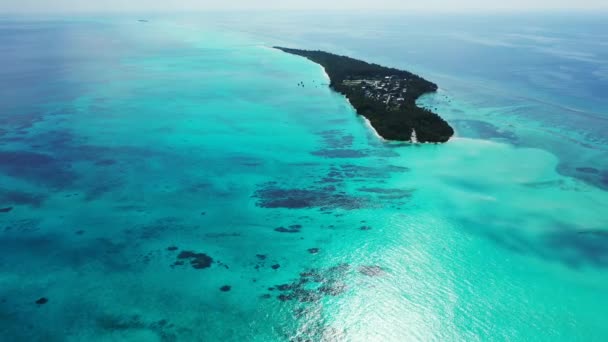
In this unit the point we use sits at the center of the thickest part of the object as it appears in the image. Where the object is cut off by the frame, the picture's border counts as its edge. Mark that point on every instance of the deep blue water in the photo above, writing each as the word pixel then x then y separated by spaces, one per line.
pixel 124 146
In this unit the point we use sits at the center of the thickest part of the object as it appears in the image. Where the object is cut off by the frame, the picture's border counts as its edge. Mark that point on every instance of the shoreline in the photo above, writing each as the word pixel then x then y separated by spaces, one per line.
pixel 367 122
pixel 371 127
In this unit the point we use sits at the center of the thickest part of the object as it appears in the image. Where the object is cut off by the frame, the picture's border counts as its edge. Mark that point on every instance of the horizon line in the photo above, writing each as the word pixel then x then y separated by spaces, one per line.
pixel 598 11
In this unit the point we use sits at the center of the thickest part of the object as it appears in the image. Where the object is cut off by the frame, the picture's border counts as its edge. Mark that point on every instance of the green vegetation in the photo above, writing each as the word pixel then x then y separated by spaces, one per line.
pixel 385 96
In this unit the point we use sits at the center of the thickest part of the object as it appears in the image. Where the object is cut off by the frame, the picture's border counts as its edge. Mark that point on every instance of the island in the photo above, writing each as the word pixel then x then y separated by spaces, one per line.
pixel 385 96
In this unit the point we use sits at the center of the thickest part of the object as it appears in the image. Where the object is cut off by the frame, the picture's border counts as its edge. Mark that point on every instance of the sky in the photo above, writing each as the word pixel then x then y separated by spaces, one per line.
pixel 202 5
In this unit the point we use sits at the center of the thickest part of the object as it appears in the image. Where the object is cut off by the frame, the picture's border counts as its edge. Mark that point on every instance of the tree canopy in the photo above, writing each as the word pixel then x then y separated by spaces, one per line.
pixel 392 123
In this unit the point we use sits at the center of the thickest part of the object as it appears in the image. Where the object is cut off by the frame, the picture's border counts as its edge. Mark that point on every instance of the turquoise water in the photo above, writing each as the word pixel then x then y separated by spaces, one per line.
pixel 124 144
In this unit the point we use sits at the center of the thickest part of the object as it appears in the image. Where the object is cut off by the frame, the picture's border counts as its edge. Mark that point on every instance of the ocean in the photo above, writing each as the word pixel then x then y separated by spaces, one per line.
pixel 167 179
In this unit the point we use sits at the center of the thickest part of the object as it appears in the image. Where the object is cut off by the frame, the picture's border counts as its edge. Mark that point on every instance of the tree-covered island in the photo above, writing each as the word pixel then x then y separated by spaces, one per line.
pixel 385 96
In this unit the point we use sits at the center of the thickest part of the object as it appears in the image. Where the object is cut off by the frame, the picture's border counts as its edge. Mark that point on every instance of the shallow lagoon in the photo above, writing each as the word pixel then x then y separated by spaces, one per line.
pixel 126 144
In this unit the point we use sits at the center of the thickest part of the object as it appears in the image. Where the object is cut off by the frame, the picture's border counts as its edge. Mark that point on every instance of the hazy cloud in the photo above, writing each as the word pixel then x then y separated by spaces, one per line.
pixel 202 5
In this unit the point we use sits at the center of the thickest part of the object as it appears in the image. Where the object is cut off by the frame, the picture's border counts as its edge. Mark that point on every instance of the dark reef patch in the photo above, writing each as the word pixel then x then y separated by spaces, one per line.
pixel 313 284
pixel 158 228
pixel 130 207
pixel 371 271
pixel 591 175
pixel 333 289
pixel 57 140
pixel 162 328
pixel 544 185
pixel 329 180
pixel 340 153
pixel 199 188
pixel 37 168
pixel 595 232
pixel 284 287
pixel 284 298
pixel 51 157
pixel 306 296
pixel 104 186
pixel 22 226
pixel 221 235
pixel 21 198
pixel 197 260
pixel 244 160
pixel 275 266
pixel 590 170
pixel 21 121
pixel 291 229
pixel 42 301
pixel 271 196
pixel 261 261
pixel 339 269
pixel 604 179
pixel 576 249
pixel 397 168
